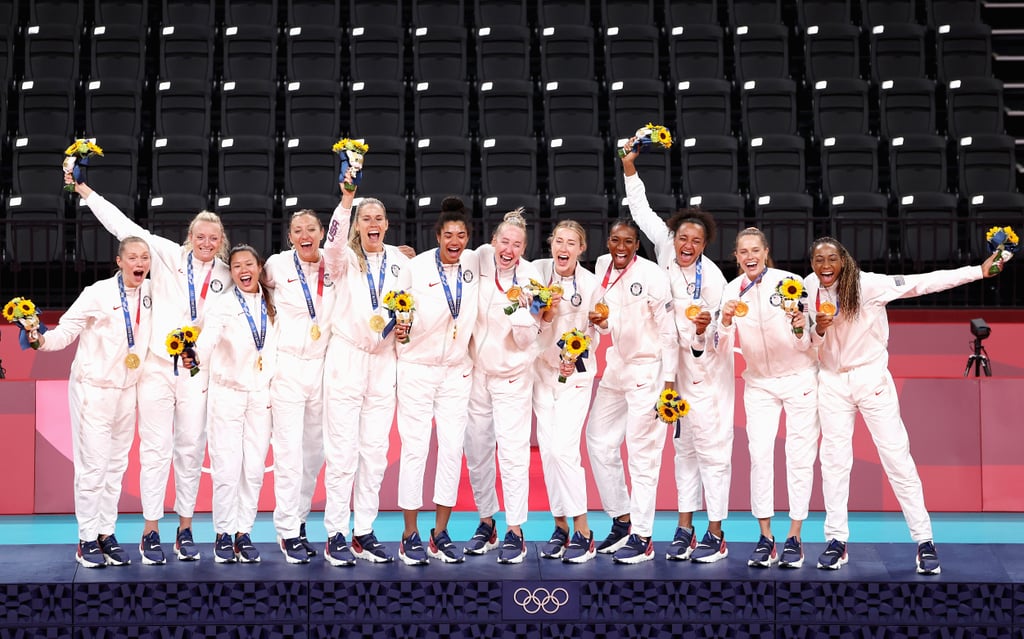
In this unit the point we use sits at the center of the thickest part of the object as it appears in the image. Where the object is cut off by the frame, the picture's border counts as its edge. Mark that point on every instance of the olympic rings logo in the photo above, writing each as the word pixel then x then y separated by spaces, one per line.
pixel 540 600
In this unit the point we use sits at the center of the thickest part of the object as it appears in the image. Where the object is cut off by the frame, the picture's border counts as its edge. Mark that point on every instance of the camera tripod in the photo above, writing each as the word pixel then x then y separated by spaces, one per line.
pixel 979 360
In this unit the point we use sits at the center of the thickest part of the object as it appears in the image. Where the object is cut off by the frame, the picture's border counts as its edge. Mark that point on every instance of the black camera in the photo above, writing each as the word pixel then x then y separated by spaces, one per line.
pixel 980 329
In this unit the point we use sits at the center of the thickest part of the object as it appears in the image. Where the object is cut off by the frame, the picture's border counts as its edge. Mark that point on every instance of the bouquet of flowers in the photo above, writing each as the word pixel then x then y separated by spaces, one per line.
pixel 541 296
pixel 401 306
pixel 23 312
pixel 575 346
pixel 351 152
pixel 649 135
pixel 791 290
pixel 183 341
pixel 76 158
pixel 671 407
pixel 1004 241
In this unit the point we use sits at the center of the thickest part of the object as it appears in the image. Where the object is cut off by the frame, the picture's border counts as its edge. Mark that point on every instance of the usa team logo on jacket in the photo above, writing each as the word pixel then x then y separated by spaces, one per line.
pixel 636 288
pixel 395 269
pixel 216 286
pixel 147 302
pixel 328 282
pixel 467 276
pixel 576 299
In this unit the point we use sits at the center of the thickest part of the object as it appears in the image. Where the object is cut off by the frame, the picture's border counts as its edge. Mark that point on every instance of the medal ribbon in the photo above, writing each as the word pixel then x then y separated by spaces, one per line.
pixel 375 292
pixel 192 288
pixel 515 282
pixel 305 287
pixel 607 275
pixel 258 338
pixel 129 331
pixel 454 306
pixel 551 280
pixel 751 285
pixel 817 302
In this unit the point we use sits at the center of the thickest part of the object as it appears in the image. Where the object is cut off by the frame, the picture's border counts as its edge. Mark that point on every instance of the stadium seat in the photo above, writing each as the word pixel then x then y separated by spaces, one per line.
pixel 313 108
pixel 249 52
pixel 505 108
pixel 118 51
pixel 974 106
pixel 576 165
pixel 439 53
pixel 768 107
pixel 831 51
pixel 840 107
pixel 182 108
pixel 761 51
pixel 906 107
pixel 248 107
pixel 503 52
pixel 440 108
pixel 695 52
pixel 313 52
pixel 631 52
pixel 376 107
pixel 113 107
pixel 703 107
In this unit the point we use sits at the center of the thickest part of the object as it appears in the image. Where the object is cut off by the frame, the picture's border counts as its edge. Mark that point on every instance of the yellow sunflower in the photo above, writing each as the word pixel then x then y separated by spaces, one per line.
pixel 992 232
pixel 389 299
pixel 669 396
pixel 791 289
pixel 576 345
pixel 190 333
pixel 1011 237
pixel 667 414
pixel 683 407
pixel 9 311
pixel 93 148
pixel 27 307
pixel 403 302
pixel 347 144
pixel 175 346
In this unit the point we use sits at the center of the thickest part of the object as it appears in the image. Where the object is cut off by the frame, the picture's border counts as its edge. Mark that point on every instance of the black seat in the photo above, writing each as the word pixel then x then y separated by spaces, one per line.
pixel 248 107
pixel 503 52
pixel 118 170
pixel 906 107
pixel 250 12
pixel 51 51
pixel 439 53
pixel 879 12
pixel 917 164
pixel 840 107
pixel 377 52
pixel 51 12
pixel 787 220
pixel 182 108
pixel 571 107
pixel 505 108
pixel 313 52
pixel 93 243
pixel 696 51
pixel 310 169
pixel 437 13
pixel 377 107
pixel 6 59
pixel 633 103
pixel 134 13
pixel 940 12
pixel 761 51
pixel 860 222
pixel 197 12
pixel 508 165
pixel 754 12
pixel 974 106
pixel 440 108
pixel 897 51
pixel 831 51
pixel 33 162
pixel 500 12
pixel 170 215
pixel 963 50
pixel 248 219
pixel 566 52
pixel 246 165
pixel 443 165
pixel 313 108
pixel 631 51
pixel 302 13
pixel 992 209
pixel 46 107
pixel 35 229
pixel 928 229
pixel 777 165
pixel 118 51
pixel 819 12
pixel 388 176
pixel 687 12
pixel 364 13
pixel 703 107
pixel 987 164
pixel 768 106
pixel 576 165
pixel 709 165
pixel 849 164
pixel 617 13
pixel 563 12
pixel 186 52
pixel 180 165
pixel 113 107
pixel 250 52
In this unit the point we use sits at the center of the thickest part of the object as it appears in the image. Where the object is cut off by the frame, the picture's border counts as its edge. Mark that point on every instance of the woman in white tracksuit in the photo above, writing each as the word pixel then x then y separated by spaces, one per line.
pixel 781 372
pixel 112 320
pixel 239 347
pixel 854 377
pixel 501 400
pixel 640 363
pixel 172 408
pixel 359 378
pixel 304 294
pixel 561 407
pixel 435 373
pixel 705 376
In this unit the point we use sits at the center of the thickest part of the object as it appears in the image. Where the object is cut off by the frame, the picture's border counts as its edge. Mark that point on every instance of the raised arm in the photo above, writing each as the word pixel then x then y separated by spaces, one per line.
pixel 336 244
pixel 640 210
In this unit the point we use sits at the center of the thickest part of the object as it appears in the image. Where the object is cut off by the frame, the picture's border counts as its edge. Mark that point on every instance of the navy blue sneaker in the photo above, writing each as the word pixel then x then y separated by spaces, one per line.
pixel 555 547
pixel 89 554
pixel 150 550
pixel 294 551
pixel 310 550
pixel 441 547
pixel 367 547
pixel 411 552
pixel 244 550
pixel 765 553
pixel 580 549
pixel 513 549
pixel 616 539
pixel 224 549
pixel 792 554
pixel 484 539
pixel 927 559
pixel 834 556
pixel 682 544
pixel 113 552
pixel 635 550
pixel 186 549
pixel 711 548
pixel 337 552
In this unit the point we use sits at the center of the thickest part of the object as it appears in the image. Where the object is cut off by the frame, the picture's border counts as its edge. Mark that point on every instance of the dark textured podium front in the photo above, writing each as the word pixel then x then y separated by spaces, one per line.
pixel 980 593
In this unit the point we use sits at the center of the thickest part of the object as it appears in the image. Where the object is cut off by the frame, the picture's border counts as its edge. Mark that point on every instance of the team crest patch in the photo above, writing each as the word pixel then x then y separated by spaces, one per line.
pixel 147 302
pixel 576 299
pixel 636 288
pixel 467 276
pixel 216 286
pixel 900 281
pixel 327 280
pixel 395 269
pixel 775 299
pixel 691 288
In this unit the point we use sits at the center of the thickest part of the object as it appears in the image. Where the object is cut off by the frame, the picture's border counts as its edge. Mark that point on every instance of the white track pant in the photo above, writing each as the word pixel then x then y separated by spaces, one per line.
pixel 870 390
pixel 764 399
pixel 703 455
pixel 427 393
pixel 500 414
pixel 102 428
pixel 296 394
pixel 359 402
pixel 239 437
pixel 561 412
pixel 624 409
pixel 172 427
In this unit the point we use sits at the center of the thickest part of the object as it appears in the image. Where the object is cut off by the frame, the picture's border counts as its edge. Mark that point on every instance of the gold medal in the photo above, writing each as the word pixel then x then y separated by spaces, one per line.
pixel 601 309
pixel 692 311
pixel 556 289
pixel 377 323
pixel 513 294
pixel 741 309
pixel 259 363
pixel 315 332
pixel 828 308
pixel 132 361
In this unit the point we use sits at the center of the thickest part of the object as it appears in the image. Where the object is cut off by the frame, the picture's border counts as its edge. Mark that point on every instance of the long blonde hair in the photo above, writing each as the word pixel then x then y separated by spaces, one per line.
pixel 574 226
pixel 209 216
pixel 354 241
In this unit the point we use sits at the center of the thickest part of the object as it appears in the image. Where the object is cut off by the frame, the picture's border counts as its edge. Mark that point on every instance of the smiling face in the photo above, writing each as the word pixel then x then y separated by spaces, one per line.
pixel 305 233
pixel 245 271
pixel 622 245
pixel 452 240
pixel 509 242
pixel 566 248
pixel 133 260
pixel 206 239
pixel 689 243
pixel 751 255
pixel 371 224
pixel 827 263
